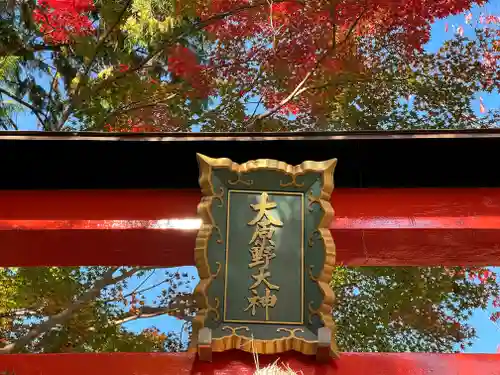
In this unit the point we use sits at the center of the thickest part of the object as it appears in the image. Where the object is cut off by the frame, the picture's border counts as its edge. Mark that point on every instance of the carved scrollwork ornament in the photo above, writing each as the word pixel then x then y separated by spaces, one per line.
pixel 292 183
pixel 240 180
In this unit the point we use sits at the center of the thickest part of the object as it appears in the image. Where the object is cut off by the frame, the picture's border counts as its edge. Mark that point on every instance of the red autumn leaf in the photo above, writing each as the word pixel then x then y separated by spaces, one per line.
pixel 482 107
pixel 123 68
pixel 59 19
pixel 468 18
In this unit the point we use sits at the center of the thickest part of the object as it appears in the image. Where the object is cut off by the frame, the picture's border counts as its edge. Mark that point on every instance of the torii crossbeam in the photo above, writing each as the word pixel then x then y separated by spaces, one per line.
pixel 421 198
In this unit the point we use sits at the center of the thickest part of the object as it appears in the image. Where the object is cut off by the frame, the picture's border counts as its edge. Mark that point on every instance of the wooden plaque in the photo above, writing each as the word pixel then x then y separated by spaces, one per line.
pixel 265 257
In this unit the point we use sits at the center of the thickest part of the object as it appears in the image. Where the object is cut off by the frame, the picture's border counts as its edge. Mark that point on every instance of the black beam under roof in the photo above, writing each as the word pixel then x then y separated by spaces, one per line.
pixel 45 160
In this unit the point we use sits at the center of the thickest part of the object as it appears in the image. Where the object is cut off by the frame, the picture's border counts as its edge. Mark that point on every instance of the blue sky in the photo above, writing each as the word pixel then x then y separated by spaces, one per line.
pixel 489 333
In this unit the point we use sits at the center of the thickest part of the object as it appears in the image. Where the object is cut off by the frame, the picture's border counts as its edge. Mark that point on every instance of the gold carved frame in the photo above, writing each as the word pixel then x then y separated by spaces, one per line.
pixel 235 340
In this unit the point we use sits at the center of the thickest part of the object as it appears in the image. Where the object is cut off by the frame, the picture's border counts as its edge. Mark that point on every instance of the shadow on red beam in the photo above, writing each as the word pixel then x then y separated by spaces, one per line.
pixel 242 364
pixel 372 227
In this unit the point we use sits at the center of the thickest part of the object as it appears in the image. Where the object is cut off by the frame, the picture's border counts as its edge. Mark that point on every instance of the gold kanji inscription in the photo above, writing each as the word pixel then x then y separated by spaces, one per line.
pixel 261 252
pixel 269 300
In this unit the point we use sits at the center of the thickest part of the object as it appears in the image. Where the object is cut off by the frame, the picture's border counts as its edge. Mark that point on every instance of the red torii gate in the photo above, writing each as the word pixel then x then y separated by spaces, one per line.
pixel 426 198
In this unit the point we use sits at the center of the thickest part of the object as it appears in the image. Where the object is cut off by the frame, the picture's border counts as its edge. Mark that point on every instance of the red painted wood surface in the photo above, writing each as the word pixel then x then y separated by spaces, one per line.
pixel 242 364
pixel 372 227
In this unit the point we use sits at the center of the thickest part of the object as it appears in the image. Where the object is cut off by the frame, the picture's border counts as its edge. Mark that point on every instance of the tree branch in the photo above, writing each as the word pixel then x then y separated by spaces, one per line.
pixel 53 87
pixel 65 315
pixel 180 306
pixel 102 40
pixel 138 291
pixel 300 88
pixel 222 107
pixel 18 313
pixel 204 23
pixel 100 43
pixel 255 109
pixel 194 27
pixel 133 108
pixel 143 282
pixel 35 110
pixel 12 123
pixel 21 51
pixel 150 312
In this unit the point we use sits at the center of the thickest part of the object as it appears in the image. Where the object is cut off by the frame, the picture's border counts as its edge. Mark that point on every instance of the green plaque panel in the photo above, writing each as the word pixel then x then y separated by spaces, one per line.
pixel 253 251
pixel 265 255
